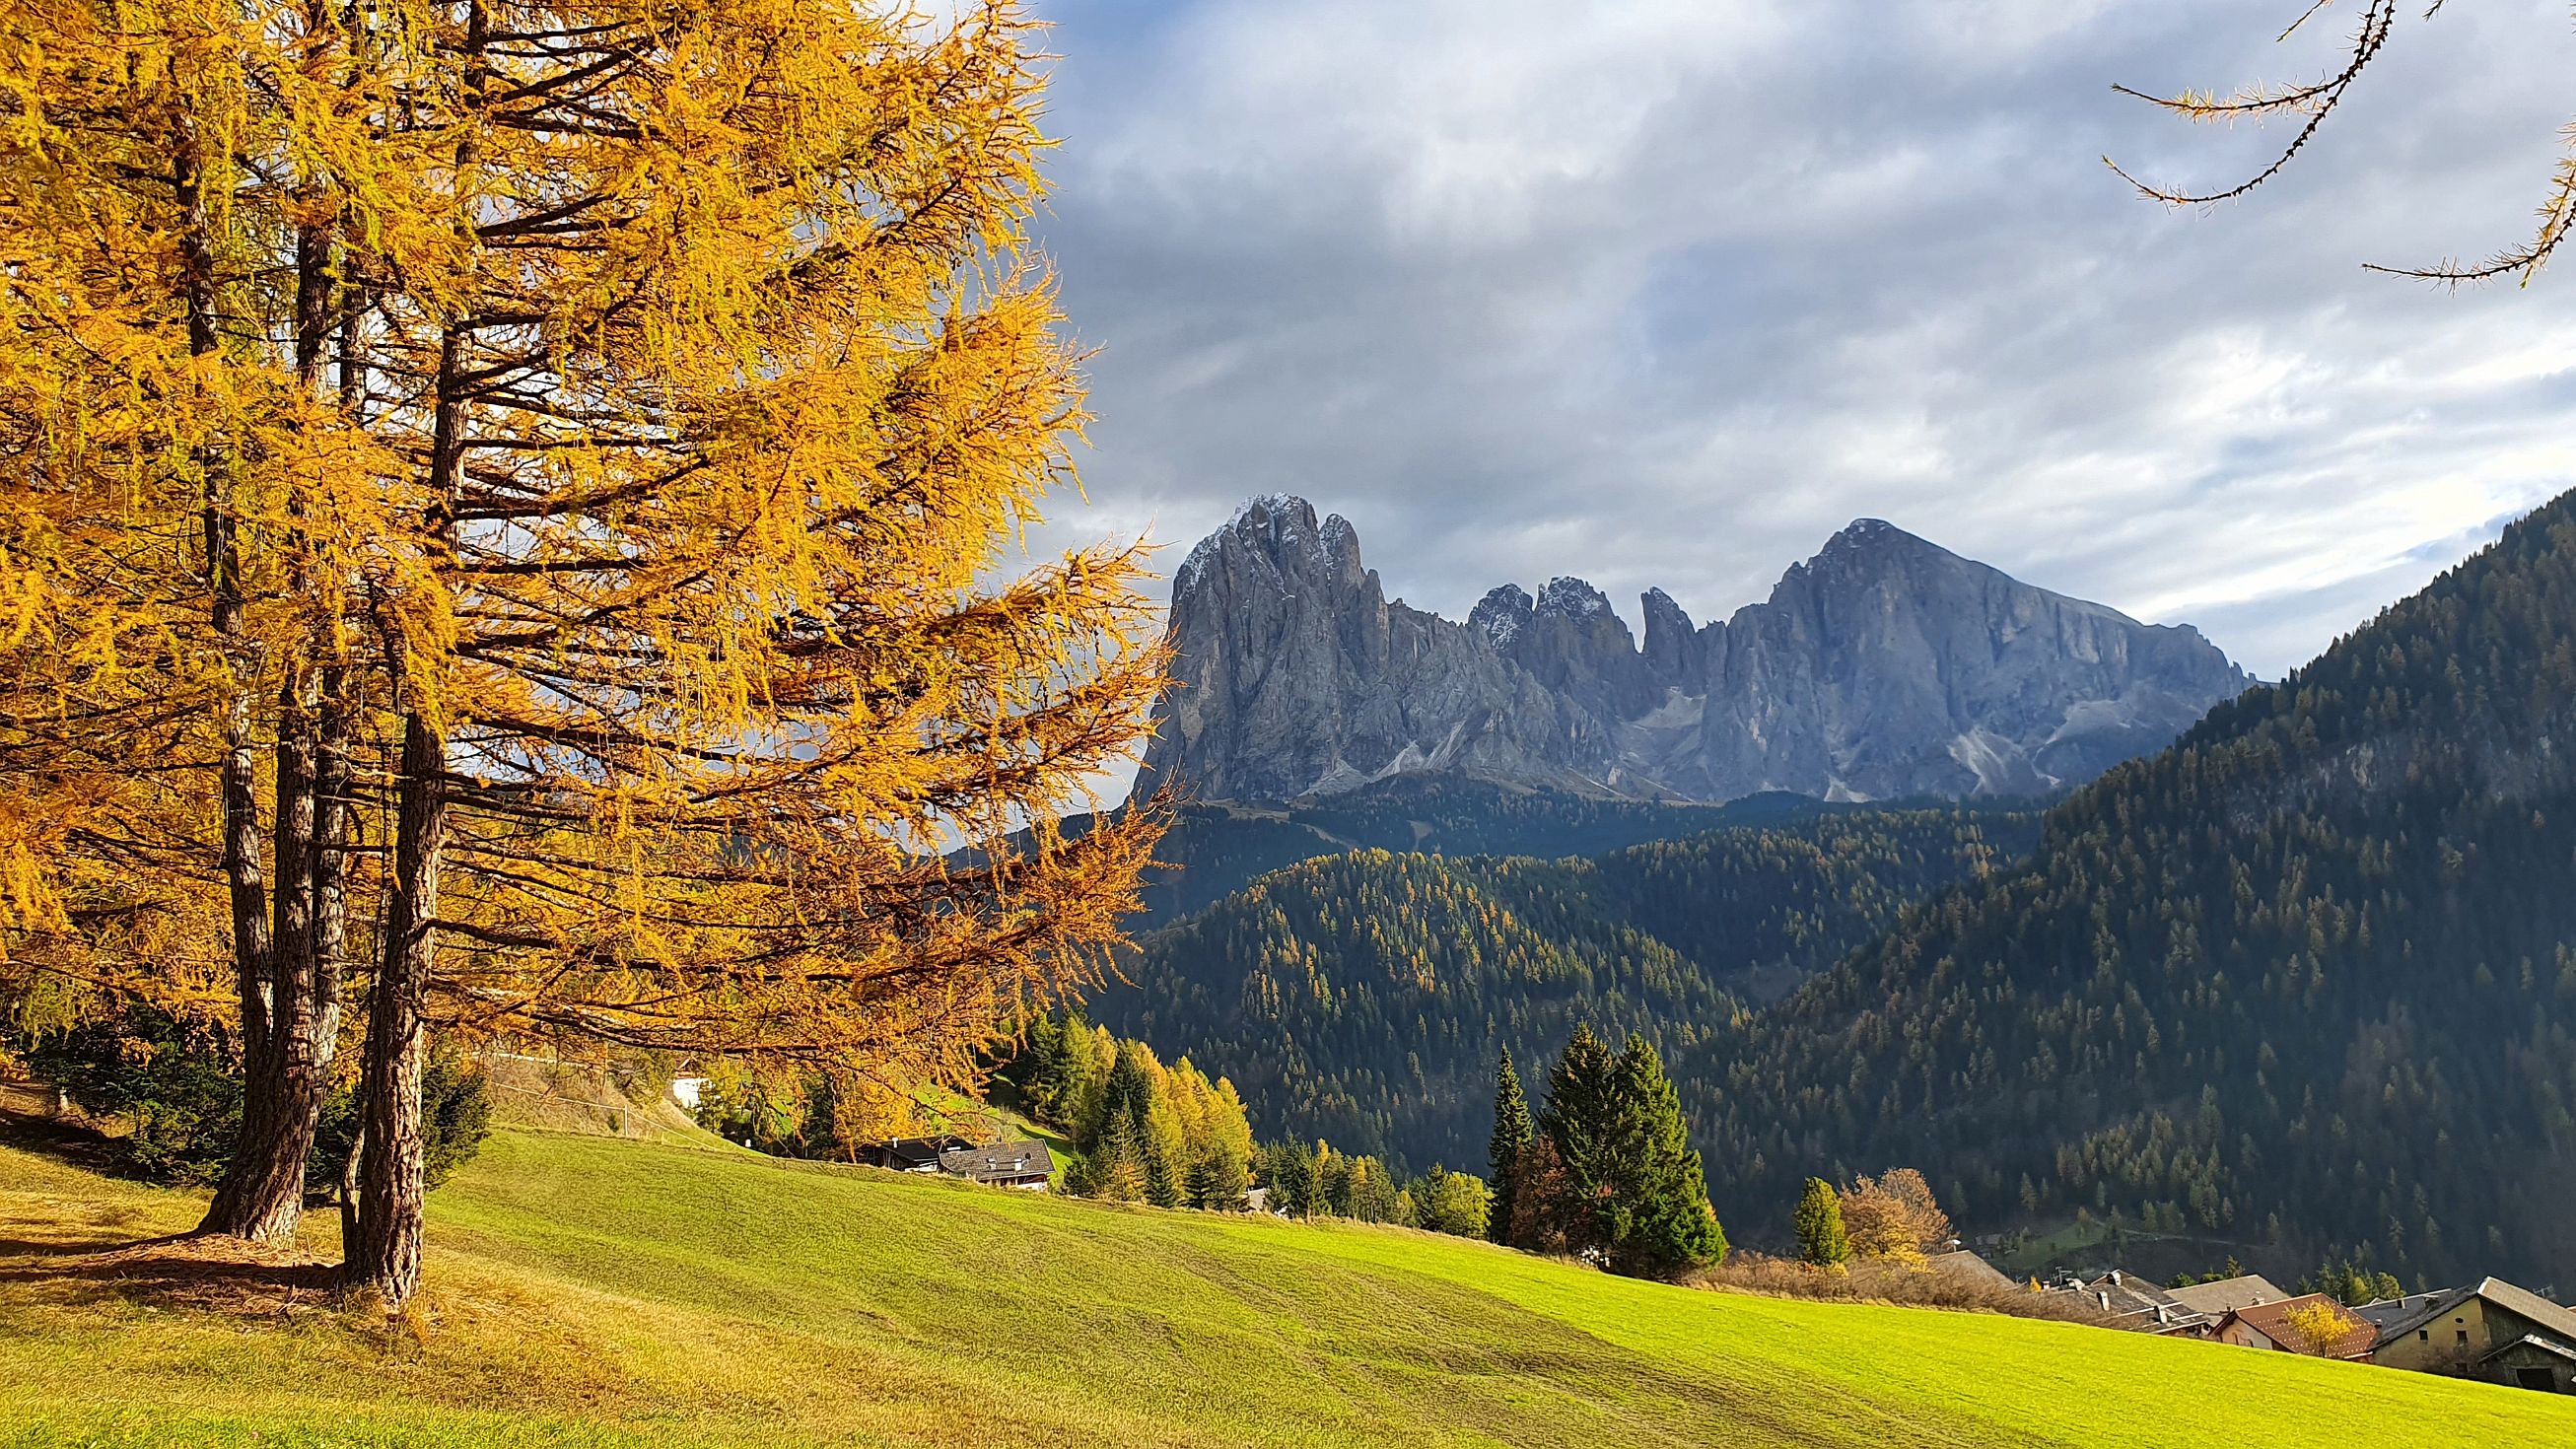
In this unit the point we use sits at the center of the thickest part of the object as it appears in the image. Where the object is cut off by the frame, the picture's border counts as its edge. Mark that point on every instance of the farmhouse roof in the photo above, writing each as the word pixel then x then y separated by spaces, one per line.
pixel 1969 1271
pixel 2390 1315
pixel 2127 1296
pixel 2532 1340
pixel 2228 1294
pixel 920 1153
pixel 1000 1162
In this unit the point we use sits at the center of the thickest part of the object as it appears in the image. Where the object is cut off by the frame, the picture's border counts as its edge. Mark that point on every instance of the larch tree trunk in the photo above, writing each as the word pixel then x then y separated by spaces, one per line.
pixel 290 981
pixel 263 1188
pixel 385 1258
pixel 392 1186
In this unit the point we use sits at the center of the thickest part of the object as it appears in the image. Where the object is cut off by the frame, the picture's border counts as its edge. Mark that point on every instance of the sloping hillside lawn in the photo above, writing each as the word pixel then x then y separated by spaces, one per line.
pixel 600 1292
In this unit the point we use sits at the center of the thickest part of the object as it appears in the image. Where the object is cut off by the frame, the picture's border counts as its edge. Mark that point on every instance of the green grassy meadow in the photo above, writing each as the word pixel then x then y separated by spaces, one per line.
pixel 589 1291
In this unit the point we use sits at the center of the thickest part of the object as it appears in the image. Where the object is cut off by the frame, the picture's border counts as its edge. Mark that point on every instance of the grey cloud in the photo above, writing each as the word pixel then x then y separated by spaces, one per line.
pixel 1663 293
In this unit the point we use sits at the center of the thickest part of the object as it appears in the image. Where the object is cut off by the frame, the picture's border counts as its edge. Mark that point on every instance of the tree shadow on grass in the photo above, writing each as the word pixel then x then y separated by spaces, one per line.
pixel 91 1250
pixel 203 1274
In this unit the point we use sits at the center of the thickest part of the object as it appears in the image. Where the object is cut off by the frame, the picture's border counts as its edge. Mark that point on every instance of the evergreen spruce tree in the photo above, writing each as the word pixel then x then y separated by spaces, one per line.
pixel 1579 1107
pixel 1218 1180
pixel 1117 1168
pixel 1328 1187
pixel 1063 1054
pixel 1820 1226
pixel 1155 1145
pixel 1129 1092
pixel 1656 1220
pixel 1512 1131
pixel 1288 1171
pixel 1373 1191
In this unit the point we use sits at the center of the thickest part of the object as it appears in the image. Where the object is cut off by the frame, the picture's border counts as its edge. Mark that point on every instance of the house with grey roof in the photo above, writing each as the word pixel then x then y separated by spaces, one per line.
pixel 1024 1165
pixel 2489 1330
pixel 2130 1301
pixel 2228 1295
pixel 910 1154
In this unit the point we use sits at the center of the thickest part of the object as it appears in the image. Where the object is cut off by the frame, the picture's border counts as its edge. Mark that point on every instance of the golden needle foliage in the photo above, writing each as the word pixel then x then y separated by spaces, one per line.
pixel 2310 104
pixel 2323 1324
pixel 679 384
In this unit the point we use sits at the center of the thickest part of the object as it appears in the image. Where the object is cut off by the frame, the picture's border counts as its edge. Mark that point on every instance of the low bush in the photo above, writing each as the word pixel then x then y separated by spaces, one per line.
pixel 1885 1280
pixel 171 1093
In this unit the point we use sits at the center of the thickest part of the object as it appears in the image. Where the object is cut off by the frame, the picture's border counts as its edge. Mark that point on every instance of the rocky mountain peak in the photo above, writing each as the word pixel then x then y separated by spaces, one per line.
pixel 1883 666
pixel 1502 615
pixel 1566 598
pixel 1294 676
pixel 1277 534
pixel 1673 644
pixel 1862 532
pixel 1870 547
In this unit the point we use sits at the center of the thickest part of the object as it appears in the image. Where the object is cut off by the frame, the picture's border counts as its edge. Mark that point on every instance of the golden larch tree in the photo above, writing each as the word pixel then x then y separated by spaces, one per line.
pixel 691 380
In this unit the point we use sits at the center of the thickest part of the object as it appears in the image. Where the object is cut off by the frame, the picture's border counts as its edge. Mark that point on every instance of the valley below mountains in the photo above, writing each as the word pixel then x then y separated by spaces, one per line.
pixel 2298 985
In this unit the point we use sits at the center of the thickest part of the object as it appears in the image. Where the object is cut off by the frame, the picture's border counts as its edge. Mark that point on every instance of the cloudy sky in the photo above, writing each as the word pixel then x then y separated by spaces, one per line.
pixel 1664 292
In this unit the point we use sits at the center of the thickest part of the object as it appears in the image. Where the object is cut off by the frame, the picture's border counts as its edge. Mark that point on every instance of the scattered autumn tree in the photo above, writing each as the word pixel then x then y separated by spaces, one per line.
pixel 2323 1324
pixel 628 484
pixel 1457 1203
pixel 1933 1232
pixel 1549 1214
pixel 1894 1217
pixel 2308 105
pixel 1874 1223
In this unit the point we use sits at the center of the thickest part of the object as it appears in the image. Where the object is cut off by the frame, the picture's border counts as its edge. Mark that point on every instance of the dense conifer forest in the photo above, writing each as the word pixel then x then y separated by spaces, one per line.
pixel 1364 997
pixel 1216 848
pixel 2304 981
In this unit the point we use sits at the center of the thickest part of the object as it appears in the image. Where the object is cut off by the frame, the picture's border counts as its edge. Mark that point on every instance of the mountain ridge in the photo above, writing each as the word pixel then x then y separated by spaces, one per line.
pixel 1883 666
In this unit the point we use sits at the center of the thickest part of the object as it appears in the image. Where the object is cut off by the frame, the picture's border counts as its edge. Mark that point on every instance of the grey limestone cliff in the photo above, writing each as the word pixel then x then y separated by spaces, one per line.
pixel 1884 666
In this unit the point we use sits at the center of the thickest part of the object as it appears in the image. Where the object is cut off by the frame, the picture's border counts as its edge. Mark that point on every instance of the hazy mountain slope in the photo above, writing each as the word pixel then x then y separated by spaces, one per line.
pixel 1215 849
pixel 2308 978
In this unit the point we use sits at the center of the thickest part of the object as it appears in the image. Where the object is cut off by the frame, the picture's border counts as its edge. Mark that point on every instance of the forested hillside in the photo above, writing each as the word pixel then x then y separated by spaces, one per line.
pixel 2303 980
pixel 1363 997
pixel 1213 850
